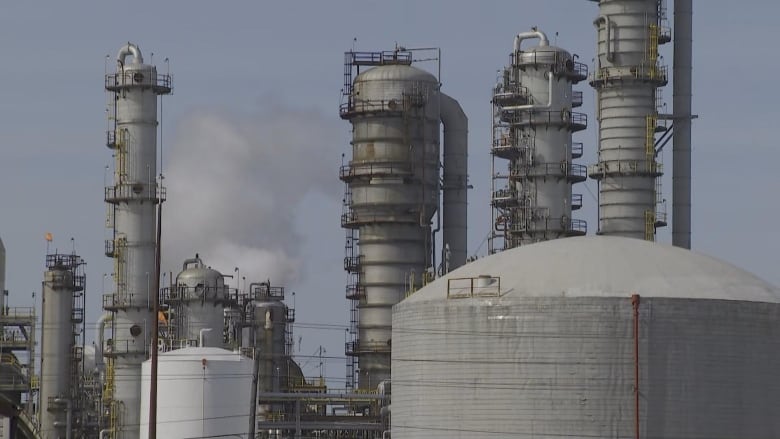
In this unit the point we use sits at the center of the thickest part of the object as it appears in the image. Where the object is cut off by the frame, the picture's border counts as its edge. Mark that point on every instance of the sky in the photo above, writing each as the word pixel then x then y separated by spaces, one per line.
pixel 252 139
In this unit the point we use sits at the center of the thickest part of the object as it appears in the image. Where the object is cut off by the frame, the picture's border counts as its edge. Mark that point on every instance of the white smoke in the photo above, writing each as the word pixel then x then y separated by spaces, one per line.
pixel 236 182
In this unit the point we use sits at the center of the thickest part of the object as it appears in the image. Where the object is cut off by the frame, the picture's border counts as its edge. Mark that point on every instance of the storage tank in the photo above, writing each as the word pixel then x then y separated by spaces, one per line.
pixel 589 337
pixel 202 392
pixel 532 149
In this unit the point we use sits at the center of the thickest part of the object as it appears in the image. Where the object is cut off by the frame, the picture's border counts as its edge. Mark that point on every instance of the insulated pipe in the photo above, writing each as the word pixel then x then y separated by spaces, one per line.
pixel 101 327
pixel 455 192
pixel 550 80
pixel 543 41
pixel 130 49
pixel 681 160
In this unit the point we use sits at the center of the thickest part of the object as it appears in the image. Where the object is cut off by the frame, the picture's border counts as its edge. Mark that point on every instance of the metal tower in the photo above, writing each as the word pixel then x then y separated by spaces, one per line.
pixel 533 122
pixel 62 346
pixel 627 79
pixel 393 186
pixel 132 198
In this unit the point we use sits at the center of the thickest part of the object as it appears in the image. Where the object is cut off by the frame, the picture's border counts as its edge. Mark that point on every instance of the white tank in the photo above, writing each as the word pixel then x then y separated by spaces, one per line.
pixel 202 392
pixel 540 341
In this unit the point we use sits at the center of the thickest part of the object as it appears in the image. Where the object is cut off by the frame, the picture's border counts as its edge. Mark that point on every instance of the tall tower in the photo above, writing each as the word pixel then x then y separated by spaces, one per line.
pixel 627 79
pixel 392 194
pixel 533 123
pixel 132 198
pixel 61 345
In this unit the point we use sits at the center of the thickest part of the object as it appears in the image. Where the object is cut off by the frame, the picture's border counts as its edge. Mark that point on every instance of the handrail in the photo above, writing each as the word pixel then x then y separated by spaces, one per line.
pixel 129 191
pixel 469 287
pixel 372 169
pixel 161 83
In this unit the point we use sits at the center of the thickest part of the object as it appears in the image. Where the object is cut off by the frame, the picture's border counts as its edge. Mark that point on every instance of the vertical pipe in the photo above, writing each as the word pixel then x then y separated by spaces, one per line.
pixel 253 398
pixel 681 164
pixel 455 193
pixel 635 305
pixel 155 328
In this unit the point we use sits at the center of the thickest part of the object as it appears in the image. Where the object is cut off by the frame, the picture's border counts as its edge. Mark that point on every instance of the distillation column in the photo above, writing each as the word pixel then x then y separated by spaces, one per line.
pixel 56 346
pixel 627 77
pixel 132 199
pixel 392 194
pixel 533 123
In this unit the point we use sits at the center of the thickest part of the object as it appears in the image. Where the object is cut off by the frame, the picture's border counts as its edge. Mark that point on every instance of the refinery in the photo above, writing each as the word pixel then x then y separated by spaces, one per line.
pixel 554 327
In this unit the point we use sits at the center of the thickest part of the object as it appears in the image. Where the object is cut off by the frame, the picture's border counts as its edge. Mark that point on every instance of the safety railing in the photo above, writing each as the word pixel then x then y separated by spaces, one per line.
pixel 160 83
pixel 577 227
pixel 625 167
pixel 111 139
pixel 128 192
pixel 167 344
pixel 264 291
pixel 574 120
pixel 374 169
pixel 379 58
pixel 355 292
pixel 122 347
pixel 352 264
pixel 577 149
pixel 373 106
pixel 568 226
pixel 468 287
pixel 301 385
pixel 510 95
pixel 504 198
pixel 17 315
pixel 183 293
pixel 657 73
pixel 350 219
pixel 576 201
pixel 357 347
pixel 13 338
pixel 577 99
pixel 290 316
pixel 113 302
pixel 572 171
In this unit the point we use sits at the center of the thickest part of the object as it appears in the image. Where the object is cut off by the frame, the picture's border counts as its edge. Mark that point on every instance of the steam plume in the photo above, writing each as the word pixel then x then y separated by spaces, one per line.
pixel 235 184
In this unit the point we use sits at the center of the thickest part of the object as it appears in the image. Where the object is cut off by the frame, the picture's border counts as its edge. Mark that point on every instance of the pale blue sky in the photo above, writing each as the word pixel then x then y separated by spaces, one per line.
pixel 270 73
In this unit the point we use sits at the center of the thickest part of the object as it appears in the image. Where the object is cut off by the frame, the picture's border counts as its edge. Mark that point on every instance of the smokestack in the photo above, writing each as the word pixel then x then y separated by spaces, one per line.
pixel 681 173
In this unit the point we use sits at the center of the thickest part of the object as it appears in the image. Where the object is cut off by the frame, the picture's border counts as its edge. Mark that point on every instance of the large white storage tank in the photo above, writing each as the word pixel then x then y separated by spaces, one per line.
pixel 589 337
pixel 202 392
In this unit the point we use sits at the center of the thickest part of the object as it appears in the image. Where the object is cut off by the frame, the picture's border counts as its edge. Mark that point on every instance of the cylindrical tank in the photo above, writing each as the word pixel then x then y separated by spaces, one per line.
pixel 56 346
pixel 197 301
pixel 626 79
pixel 532 129
pixel 588 337
pixel 134 89
pixel 202 392
pixel 393 192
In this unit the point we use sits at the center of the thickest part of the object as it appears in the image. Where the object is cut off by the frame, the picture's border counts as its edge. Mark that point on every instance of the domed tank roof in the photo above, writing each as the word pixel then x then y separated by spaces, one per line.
pixel 396 72
pixel 194 272
pixel 607 267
